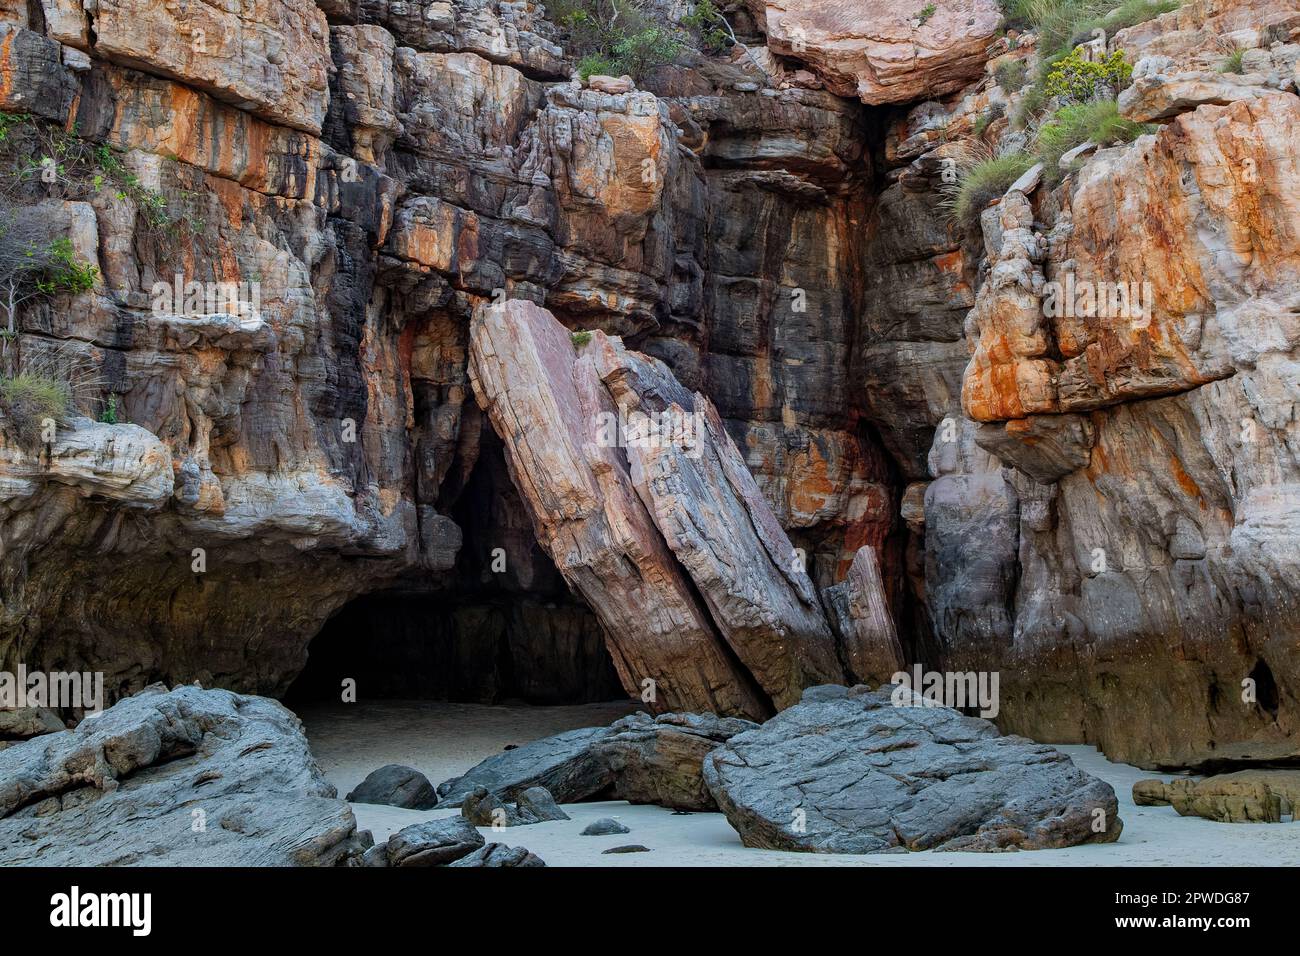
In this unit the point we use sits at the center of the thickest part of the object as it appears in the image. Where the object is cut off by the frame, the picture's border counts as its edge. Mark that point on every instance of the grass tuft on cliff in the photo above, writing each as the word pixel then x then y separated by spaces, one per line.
pixel 27 400
pixel 982 179
pixel 1097 122
pixel 1063 24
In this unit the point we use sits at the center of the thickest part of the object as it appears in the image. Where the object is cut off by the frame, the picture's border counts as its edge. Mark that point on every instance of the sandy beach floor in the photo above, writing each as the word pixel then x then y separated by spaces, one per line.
pixel 443 740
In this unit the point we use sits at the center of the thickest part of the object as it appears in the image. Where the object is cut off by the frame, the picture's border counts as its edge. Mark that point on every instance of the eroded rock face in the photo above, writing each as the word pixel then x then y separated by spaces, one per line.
pixel 849 772
pixel 186 777
pixel 779 246
pixel 329 446
pixel 1130 533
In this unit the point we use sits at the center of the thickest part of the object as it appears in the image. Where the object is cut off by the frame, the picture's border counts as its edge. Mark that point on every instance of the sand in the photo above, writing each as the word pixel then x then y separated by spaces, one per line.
pixel 443 740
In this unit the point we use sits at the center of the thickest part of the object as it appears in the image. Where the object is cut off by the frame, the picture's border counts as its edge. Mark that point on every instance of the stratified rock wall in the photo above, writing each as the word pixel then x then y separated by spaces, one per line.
pixel 1103 512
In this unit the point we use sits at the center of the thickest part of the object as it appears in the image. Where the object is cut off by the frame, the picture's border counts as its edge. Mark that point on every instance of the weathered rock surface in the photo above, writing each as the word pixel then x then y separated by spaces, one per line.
pixel 1131 541
pixel 396 786
pixel 382 169
pixel 850 772
pixel 485 809
pixel 186 777
pixel 1246 796
pixel 658 759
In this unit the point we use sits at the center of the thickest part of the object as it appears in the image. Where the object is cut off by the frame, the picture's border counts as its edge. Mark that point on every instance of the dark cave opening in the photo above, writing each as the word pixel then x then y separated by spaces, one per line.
pixel 427 646
pixel 1265 687
pixel 500 625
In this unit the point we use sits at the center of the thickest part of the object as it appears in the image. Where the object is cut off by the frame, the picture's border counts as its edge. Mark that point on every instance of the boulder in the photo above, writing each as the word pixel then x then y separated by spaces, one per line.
pixel 21 723
pixel 605 826
pixel 657 759
pixel 396 786
pixel 563 763
pixel 500 855
pixel 433 843
pixel 1245 796
pixel 536 805
pixel 484 809
pixel 881 51
pixel 187 777
pixel 852 773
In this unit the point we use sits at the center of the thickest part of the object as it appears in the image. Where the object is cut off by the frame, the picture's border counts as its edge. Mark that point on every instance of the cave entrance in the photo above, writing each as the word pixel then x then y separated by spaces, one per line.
pixel 501 625
pixel 430 647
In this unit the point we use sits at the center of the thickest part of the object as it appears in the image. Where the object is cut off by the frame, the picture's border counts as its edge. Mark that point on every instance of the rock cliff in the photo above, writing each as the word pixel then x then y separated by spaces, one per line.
pixel 364 273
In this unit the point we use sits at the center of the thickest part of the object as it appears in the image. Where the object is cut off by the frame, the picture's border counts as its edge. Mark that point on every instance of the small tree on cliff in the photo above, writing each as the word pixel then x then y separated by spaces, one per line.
pixel 34 261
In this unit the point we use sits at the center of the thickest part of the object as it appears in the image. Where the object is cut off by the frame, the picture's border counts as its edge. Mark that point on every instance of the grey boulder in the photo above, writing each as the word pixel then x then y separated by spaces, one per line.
pixel 563 763
pixel 604 827
pixel 536 805
pixel 849 772
pixel 187 777
pixel 500 855
pixel 396 786
pixel 433 843
pixel 658 759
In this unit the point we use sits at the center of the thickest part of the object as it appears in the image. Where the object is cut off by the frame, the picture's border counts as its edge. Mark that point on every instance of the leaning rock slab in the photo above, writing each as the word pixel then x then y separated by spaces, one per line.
pixel 187 777
pixel 658 759
pixel 851 773
pixel 647 507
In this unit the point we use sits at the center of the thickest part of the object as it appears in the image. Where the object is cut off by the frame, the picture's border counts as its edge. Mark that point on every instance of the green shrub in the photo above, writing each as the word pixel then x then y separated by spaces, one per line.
pixel 1063 24
pixel 580 338
pixel 614 37
pixel 27 400
pixel 1031 103
pixel 109 415
pixel 709 26
pixel 64 272
pixel 1234 62
pixel 925 13
pixel 1076 80
pixel 1012 75
pixel 982 181
pixel 593 64
pixel 640 54
pixel 1097 122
